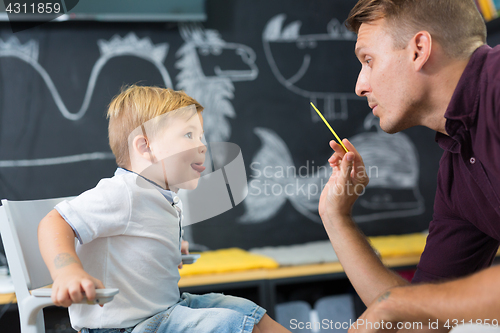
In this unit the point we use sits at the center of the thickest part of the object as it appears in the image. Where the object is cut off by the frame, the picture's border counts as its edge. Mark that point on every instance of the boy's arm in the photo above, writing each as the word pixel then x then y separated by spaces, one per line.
pixel 57 245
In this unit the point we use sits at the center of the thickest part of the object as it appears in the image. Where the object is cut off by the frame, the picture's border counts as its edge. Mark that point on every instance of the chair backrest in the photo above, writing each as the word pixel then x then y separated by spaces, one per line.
pixel 19 230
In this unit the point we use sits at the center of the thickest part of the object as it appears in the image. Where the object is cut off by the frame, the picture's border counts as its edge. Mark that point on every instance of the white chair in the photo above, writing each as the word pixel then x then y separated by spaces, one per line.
pixel 19 228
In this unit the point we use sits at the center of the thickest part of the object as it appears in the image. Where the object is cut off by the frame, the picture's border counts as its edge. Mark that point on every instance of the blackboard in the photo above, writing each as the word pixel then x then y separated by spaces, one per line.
pixel 255 66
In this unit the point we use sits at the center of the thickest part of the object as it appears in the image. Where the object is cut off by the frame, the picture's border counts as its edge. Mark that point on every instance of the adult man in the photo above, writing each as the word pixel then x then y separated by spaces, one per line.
pixel 424 62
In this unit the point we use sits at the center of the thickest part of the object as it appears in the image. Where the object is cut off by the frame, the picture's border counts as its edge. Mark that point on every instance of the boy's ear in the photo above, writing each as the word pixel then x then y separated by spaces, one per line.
pixel 421 47
pixel 141 147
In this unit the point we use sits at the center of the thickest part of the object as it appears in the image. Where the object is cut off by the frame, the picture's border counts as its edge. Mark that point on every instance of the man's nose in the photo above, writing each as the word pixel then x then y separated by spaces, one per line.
pixel 362 85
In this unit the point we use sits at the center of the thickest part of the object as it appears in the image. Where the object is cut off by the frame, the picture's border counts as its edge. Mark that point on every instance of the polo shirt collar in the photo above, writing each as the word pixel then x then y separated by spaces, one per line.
pixel 169 195
pixel 462 110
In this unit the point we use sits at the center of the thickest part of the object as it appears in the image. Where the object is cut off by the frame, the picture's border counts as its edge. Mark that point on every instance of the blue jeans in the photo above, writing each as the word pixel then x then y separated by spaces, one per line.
pixel 209 313
pixel 107 330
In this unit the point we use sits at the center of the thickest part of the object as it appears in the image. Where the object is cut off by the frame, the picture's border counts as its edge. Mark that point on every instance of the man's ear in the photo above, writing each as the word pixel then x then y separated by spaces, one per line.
pixel 421 48
pixel 141 148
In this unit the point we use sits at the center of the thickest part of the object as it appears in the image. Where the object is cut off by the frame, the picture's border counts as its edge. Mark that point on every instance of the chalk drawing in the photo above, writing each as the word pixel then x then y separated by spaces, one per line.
pixel 130 45
pixel 56 160
pixel 391 161
pixel 393 189
pixel 214 92
pixel 274 180
pixel 274 34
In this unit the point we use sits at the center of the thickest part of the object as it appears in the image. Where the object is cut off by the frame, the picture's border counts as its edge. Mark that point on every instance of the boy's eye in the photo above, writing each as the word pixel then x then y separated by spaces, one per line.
pixel 189 135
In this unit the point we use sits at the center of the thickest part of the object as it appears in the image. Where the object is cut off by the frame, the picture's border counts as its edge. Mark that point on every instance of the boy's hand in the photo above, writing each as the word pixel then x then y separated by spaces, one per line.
pixel 72 284
pixel 184 250
pixel 184 247
pixel 347 182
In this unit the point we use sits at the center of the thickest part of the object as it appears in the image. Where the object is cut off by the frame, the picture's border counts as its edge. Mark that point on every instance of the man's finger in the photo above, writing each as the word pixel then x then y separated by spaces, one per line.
pixel 337 148
pixel 359 165
pixel 335 160
pixel 351 148
pixel 346 166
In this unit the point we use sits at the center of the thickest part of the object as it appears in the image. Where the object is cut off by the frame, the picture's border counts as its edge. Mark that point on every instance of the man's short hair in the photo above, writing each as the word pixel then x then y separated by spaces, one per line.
pixel 134 106
pixel 456 25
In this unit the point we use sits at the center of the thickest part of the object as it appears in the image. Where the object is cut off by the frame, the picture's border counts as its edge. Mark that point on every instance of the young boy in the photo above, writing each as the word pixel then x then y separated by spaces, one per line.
pixel 129 228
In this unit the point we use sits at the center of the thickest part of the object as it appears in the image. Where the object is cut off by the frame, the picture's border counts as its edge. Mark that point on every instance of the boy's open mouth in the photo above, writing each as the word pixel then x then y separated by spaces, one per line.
pixel 198 167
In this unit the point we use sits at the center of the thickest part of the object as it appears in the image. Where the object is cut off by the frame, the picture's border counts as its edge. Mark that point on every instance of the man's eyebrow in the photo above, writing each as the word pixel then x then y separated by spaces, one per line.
pixel 358 50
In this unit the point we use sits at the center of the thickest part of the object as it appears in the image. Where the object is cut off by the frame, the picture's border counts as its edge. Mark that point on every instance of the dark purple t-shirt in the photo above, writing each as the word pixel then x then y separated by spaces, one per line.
pixel 465 232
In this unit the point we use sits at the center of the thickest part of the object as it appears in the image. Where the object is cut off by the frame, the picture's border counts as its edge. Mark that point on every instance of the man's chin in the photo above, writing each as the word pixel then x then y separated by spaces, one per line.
pixel 390 128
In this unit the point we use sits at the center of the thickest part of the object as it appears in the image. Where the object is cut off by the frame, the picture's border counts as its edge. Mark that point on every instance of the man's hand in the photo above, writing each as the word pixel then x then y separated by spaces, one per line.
pixel 71 284
pixel 184 250
pixel 362 266
pixel 347 182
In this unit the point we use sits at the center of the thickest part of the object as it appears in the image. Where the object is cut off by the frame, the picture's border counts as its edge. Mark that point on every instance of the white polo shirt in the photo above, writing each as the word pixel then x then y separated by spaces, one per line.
pixel 129 239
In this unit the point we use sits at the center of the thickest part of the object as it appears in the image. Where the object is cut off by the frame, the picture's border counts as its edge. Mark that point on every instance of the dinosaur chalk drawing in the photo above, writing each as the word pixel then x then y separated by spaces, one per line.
pixel 130 45
pixel 216 91
pixel 281 44
pixel 211 87
pixel 391 160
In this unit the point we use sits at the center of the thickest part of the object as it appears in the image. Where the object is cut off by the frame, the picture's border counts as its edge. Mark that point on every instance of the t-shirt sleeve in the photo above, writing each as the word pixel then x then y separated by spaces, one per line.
pixel 103 211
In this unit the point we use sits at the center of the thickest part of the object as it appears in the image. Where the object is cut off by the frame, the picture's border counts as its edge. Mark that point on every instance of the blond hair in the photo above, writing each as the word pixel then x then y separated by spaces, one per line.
pixel 456 25
pixel 134 106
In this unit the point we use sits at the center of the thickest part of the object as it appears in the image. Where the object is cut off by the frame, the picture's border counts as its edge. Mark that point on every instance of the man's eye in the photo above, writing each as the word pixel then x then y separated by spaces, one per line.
pixel 189 135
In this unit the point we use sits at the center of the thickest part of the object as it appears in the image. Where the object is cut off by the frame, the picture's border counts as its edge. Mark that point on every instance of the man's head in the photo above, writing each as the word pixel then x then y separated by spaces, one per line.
pixel 151 126
pixel 455 24
pixel 407 49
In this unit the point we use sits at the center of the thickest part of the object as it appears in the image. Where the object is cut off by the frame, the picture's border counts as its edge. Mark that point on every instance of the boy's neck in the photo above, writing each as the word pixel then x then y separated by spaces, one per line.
pixel 164 186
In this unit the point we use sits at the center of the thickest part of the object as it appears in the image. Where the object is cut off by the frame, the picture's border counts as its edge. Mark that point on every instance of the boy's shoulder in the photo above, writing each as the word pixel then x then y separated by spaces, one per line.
pixel 124 190
pixel 120 186
pixel 118 182
pixel 124 178
pixel 127 184
pixel 133 181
